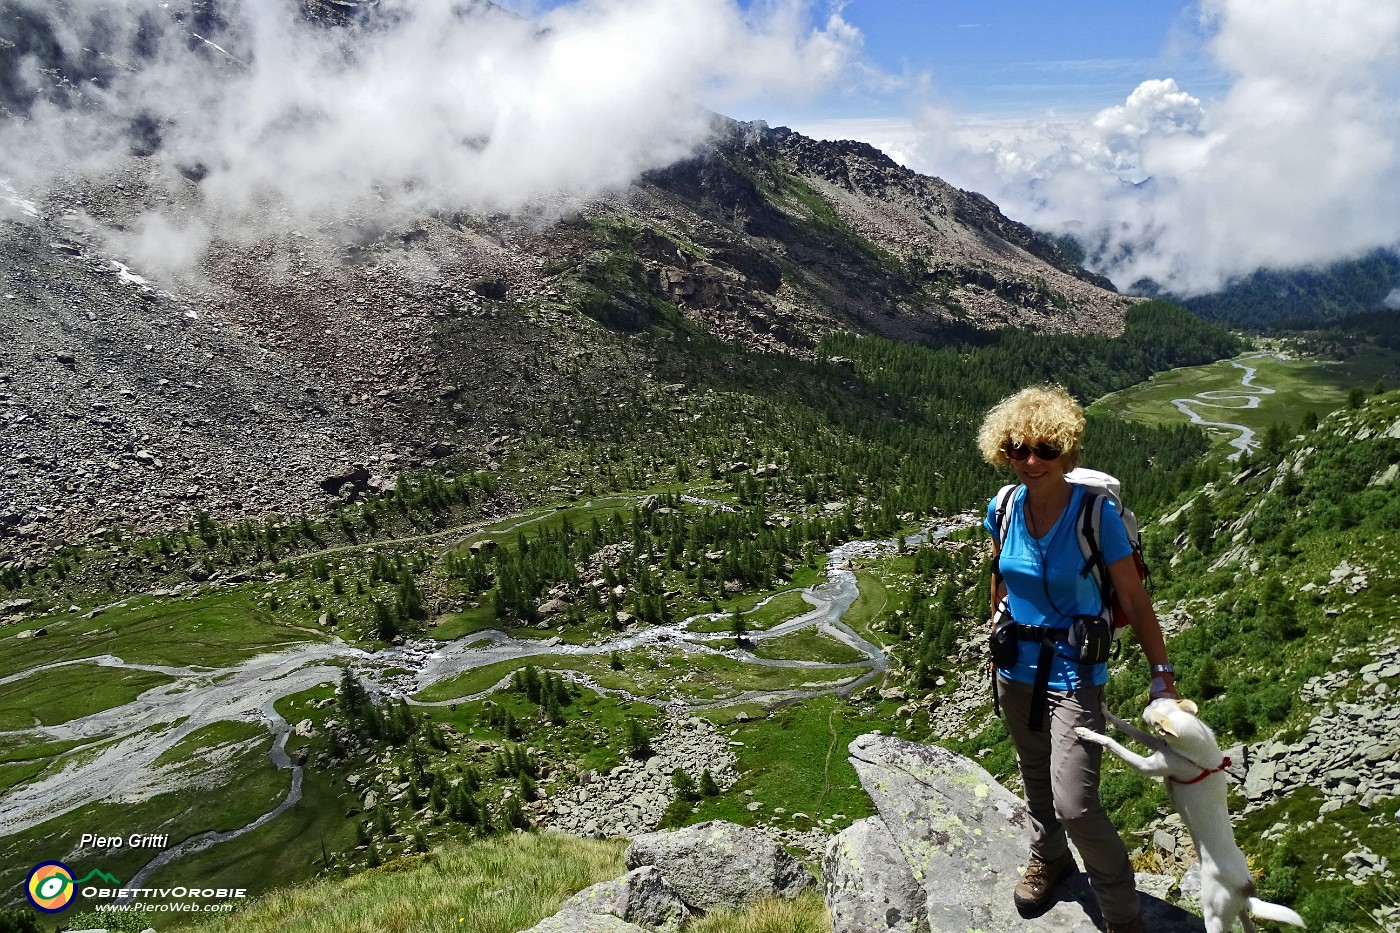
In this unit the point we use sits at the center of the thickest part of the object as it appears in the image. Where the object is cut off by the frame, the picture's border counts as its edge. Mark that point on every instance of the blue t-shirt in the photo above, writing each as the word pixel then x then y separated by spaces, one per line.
pixel 1044 583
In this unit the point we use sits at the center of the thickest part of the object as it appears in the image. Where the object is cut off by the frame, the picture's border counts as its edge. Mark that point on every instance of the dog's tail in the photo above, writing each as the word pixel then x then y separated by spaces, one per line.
pixel 1278 913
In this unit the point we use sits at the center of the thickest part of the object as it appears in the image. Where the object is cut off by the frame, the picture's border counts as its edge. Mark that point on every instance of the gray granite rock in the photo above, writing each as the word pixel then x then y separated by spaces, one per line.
pixel 584 923
pixel 641 896
pixel 964 839
pixel 718 864
pixel 869 885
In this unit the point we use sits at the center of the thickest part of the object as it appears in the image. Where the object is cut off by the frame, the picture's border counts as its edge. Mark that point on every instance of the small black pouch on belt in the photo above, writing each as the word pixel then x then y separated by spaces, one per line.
pixel 1005 648
pixel 1005 642
pixel 1090 639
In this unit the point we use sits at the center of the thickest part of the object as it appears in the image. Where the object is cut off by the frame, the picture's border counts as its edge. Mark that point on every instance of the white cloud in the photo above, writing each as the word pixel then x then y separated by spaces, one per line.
pixel 432 105
pixel 1298 163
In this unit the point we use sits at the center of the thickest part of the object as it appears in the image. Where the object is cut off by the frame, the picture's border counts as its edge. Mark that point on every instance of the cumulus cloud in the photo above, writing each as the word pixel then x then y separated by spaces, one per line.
pixel 425 104
pixel 1297 164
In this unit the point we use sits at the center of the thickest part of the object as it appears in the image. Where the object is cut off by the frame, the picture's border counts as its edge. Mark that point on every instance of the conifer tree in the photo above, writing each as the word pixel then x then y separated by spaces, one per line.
pixel 515 814
pixel 684 785
pixel 351 695
pixel 385 621
pixel 638 742
pixel 409 599
pixel 554 711
pixel 1200 526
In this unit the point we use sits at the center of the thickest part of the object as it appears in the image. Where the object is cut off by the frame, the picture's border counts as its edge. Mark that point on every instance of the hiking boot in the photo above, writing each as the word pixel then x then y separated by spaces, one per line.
pixel 1037 886
pixel 1126 926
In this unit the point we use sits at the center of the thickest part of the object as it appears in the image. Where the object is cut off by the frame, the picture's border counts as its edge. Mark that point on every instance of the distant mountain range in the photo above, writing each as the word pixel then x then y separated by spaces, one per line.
pixel 1274 299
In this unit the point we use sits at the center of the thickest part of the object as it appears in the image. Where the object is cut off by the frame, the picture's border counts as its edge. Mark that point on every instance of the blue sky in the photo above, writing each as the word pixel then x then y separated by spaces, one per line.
pixel 996 59
pixel 1024 57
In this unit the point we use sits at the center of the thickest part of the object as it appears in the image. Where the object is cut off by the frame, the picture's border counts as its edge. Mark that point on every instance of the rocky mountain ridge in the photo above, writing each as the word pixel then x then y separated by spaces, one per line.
pixel 137 399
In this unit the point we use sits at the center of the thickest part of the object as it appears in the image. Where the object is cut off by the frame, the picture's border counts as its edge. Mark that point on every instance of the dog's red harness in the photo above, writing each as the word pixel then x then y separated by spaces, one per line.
pixel 1205 773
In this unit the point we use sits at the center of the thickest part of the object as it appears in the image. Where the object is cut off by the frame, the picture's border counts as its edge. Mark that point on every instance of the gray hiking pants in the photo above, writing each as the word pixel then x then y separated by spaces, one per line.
pixel 1061 775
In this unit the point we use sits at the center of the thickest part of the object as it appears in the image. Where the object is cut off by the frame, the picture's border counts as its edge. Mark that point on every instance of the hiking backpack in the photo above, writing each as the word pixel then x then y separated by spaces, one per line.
pixel 1099 487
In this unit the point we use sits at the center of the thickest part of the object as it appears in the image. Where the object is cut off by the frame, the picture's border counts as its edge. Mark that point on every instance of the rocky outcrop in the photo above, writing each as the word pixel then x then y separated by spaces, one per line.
pixel 945 852
pixel 584 923
pixel 676 874
pixel 243 390
pixel 720 865
pixel 1351 750
pixel 869 883
pixel 641 897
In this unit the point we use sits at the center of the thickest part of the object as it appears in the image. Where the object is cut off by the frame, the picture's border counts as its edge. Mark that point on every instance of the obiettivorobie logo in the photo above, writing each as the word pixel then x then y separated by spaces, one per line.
pixel 50 886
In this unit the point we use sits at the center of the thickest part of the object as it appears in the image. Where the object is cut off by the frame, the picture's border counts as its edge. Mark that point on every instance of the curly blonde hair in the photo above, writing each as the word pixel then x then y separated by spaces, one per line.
pixel 1037 413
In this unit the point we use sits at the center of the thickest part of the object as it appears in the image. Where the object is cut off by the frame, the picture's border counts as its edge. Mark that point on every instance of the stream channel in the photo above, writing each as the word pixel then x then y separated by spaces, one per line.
pixel 120 764
pixel 1244 398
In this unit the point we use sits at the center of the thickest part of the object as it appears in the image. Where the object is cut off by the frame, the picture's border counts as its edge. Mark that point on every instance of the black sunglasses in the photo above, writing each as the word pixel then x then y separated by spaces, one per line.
pixel 1044 450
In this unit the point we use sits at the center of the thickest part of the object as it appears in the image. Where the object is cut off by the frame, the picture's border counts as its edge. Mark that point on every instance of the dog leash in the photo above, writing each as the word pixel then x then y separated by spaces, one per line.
pixel 1205 772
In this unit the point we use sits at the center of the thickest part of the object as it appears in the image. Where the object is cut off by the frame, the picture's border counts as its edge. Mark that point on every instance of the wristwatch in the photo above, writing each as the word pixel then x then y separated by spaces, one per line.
pixel 1163 669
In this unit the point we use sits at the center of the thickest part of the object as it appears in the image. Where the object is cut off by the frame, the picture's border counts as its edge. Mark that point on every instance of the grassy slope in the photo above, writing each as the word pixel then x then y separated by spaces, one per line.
pixel 492 886
pixel 1244 624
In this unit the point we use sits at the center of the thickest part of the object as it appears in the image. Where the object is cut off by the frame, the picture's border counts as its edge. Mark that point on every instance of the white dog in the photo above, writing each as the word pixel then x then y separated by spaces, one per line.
pixel 1193 767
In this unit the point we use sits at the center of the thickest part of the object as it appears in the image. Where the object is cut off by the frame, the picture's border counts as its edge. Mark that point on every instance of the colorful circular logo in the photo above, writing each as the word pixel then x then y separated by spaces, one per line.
pixel 50 886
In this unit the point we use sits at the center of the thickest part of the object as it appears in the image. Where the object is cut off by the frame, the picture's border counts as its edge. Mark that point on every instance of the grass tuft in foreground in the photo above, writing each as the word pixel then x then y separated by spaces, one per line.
pixel 805 913
pixel 499 885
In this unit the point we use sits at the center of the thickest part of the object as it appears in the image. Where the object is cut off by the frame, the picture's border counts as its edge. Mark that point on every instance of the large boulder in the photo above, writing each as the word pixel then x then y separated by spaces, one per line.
pixel 720 865
pixel 963 839
pixel 869 885
pixel 642 896
pixel 584 923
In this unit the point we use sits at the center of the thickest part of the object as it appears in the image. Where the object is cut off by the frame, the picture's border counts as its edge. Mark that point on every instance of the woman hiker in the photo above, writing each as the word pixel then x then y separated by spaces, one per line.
pixel 1044 690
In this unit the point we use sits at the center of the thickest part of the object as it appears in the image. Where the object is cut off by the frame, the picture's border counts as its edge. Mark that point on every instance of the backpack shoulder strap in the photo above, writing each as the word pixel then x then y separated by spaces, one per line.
pixel 1001 515
pixel 1087 530
pixel 1001 521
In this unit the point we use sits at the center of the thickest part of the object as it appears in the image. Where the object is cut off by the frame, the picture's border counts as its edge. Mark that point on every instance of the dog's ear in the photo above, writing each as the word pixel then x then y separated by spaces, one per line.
pixel 1163 724
pixel 1187 705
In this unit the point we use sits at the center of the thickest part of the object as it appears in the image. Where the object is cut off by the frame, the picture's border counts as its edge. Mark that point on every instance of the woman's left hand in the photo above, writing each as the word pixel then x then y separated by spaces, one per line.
pixel 1164 685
